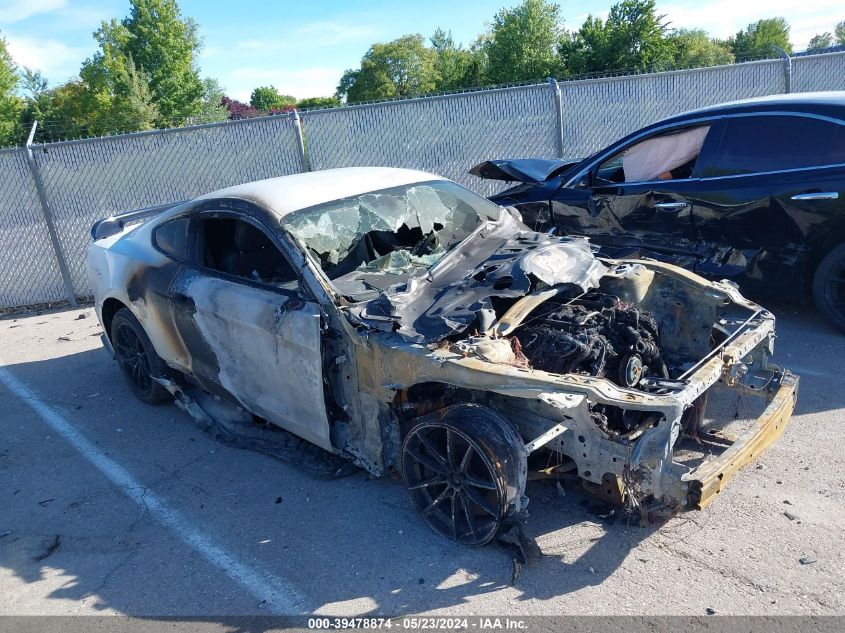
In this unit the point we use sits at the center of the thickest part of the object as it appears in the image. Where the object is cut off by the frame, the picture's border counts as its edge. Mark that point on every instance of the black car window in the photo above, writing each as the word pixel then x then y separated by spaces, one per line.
pixel 755 144
pixel 241 249
pixel 171 238
pixel 669 155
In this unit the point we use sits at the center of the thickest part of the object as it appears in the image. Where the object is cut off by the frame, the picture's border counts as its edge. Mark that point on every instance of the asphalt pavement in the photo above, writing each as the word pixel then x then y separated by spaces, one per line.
pixel 109 506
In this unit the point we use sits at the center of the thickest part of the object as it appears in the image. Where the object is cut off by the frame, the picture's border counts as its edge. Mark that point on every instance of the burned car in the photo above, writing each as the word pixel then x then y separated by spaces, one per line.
pixel 414 327
pixel 751 191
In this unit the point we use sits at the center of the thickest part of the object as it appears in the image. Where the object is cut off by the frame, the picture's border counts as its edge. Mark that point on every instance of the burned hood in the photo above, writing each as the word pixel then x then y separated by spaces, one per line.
pixel 500 259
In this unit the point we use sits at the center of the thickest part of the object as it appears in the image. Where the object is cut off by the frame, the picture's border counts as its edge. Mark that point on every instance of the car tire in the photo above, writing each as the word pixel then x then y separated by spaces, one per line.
pixel 465 472
pixel 137 359
pixel 829 287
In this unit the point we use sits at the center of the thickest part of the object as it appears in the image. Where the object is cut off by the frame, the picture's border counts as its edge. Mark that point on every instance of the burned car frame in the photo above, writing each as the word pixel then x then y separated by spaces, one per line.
pixel 399 320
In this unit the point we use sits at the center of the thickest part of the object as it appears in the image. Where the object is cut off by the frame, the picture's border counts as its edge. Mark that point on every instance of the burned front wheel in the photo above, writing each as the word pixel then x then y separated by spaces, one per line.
pixel 465 472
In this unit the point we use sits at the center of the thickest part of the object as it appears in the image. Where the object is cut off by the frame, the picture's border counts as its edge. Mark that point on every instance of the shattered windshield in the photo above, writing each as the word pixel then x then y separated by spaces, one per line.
pixel 389 233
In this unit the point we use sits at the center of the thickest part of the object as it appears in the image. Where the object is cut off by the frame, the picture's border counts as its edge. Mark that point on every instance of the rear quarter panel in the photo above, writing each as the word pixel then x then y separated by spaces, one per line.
pixel 125 267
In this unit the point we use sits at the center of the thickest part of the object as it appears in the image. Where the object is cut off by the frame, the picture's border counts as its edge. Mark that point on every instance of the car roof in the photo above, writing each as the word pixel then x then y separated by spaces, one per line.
pixel 822 103
pixel 286 194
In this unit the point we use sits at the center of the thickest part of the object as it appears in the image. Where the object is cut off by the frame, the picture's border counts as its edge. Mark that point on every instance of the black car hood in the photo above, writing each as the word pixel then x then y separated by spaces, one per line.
pixel 530 170
pixel 500 259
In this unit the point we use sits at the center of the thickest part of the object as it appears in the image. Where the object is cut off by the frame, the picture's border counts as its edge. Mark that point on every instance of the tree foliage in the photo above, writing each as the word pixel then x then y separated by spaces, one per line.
pixel 453 64
pixel 634 37
pixel 238 109
pixel 694 48
pixel 819 42
pixel 146 65
pixel 268 99
pixel 318 102
pixel 403 67
pixel 839 33
pixel 10 104
pixel 212 108
pixel 523 41
pixel 761 38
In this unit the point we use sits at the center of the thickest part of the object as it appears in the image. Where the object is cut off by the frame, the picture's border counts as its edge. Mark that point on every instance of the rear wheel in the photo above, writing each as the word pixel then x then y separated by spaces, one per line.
pixel 137 358
pixel 829 287
pixel 465 473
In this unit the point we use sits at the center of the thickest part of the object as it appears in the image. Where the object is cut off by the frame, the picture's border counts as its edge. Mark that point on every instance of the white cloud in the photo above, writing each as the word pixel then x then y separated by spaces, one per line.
pixel 12 11
pixel 330 33
pixel 301 83
pixel 326 33
pixel 722 18
pixel 55 59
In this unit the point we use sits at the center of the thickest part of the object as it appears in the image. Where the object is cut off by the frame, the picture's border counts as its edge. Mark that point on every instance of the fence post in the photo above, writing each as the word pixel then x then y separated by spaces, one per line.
pixel 300 141
pixel 557 100
pixel 48 217
pixel 787 68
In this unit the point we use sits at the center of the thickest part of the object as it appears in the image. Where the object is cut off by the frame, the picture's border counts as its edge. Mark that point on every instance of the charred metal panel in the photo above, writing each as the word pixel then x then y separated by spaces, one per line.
pixel 266 346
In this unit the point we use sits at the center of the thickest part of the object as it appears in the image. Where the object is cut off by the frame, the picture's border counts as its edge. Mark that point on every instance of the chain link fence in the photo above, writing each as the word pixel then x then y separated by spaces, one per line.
pixel 29 270
pixel 629 103
pixel 444 134
pixel 90 179
pixel 811 73
pixel 48 202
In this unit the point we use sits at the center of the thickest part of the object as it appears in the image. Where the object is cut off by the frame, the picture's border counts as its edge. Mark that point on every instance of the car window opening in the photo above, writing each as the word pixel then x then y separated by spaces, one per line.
pixel 394 232
pixel 240 249
pixel 667 157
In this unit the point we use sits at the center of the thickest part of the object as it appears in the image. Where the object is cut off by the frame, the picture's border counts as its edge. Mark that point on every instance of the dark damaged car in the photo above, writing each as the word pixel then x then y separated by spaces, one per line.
pixel 403 322
pixel 751 191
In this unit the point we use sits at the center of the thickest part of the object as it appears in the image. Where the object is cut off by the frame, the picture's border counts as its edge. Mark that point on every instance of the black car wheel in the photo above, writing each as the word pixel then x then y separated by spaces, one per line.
pixel 465 473
pixel 829 287
pixel 137 358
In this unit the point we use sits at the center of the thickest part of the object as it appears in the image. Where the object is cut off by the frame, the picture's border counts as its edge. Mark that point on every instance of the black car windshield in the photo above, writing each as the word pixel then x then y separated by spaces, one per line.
pixel 389 233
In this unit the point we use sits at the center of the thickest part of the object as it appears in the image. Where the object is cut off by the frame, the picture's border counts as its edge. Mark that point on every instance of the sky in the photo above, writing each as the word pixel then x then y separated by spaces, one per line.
pixel 302 48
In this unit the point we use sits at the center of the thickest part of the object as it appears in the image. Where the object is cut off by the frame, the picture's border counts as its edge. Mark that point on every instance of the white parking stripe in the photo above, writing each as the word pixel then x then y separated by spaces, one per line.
pixel 278 595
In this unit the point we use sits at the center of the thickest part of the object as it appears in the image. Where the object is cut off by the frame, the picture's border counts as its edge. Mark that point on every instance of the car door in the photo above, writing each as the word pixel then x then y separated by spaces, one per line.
pixel 638 198
pixel 250 326
pixel 771 188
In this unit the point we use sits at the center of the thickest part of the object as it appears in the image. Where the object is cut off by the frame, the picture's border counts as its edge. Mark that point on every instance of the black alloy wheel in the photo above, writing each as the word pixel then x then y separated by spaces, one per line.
pixel 465 473
pixel 137 359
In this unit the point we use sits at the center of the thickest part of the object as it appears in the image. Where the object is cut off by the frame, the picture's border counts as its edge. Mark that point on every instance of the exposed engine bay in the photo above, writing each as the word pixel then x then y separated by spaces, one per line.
pixel 596 335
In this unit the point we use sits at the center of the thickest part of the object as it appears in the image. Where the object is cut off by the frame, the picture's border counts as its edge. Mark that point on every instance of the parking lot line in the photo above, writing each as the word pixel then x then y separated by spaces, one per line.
pixel 276 594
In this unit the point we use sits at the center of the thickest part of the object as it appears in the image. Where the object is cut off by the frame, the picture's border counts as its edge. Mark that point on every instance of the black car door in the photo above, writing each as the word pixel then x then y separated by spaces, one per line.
pixel 646 212
pixel 766 194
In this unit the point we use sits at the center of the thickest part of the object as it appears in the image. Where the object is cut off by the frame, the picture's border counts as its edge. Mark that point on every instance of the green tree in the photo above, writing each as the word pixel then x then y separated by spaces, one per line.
pixel 761 38
pixel 267 98
pixel 318 102
pixel 476 70
pixel 523 42
pixel 634 36
pixel 116 94
pixel 11 106
pixel 694 48
pixel 839 33
pixel 165 46
pixel 117 97
pixel 212 109
pixel 819 42
pixel 155 46
pixel 402 68
pixel 62 112
pixel 452 64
